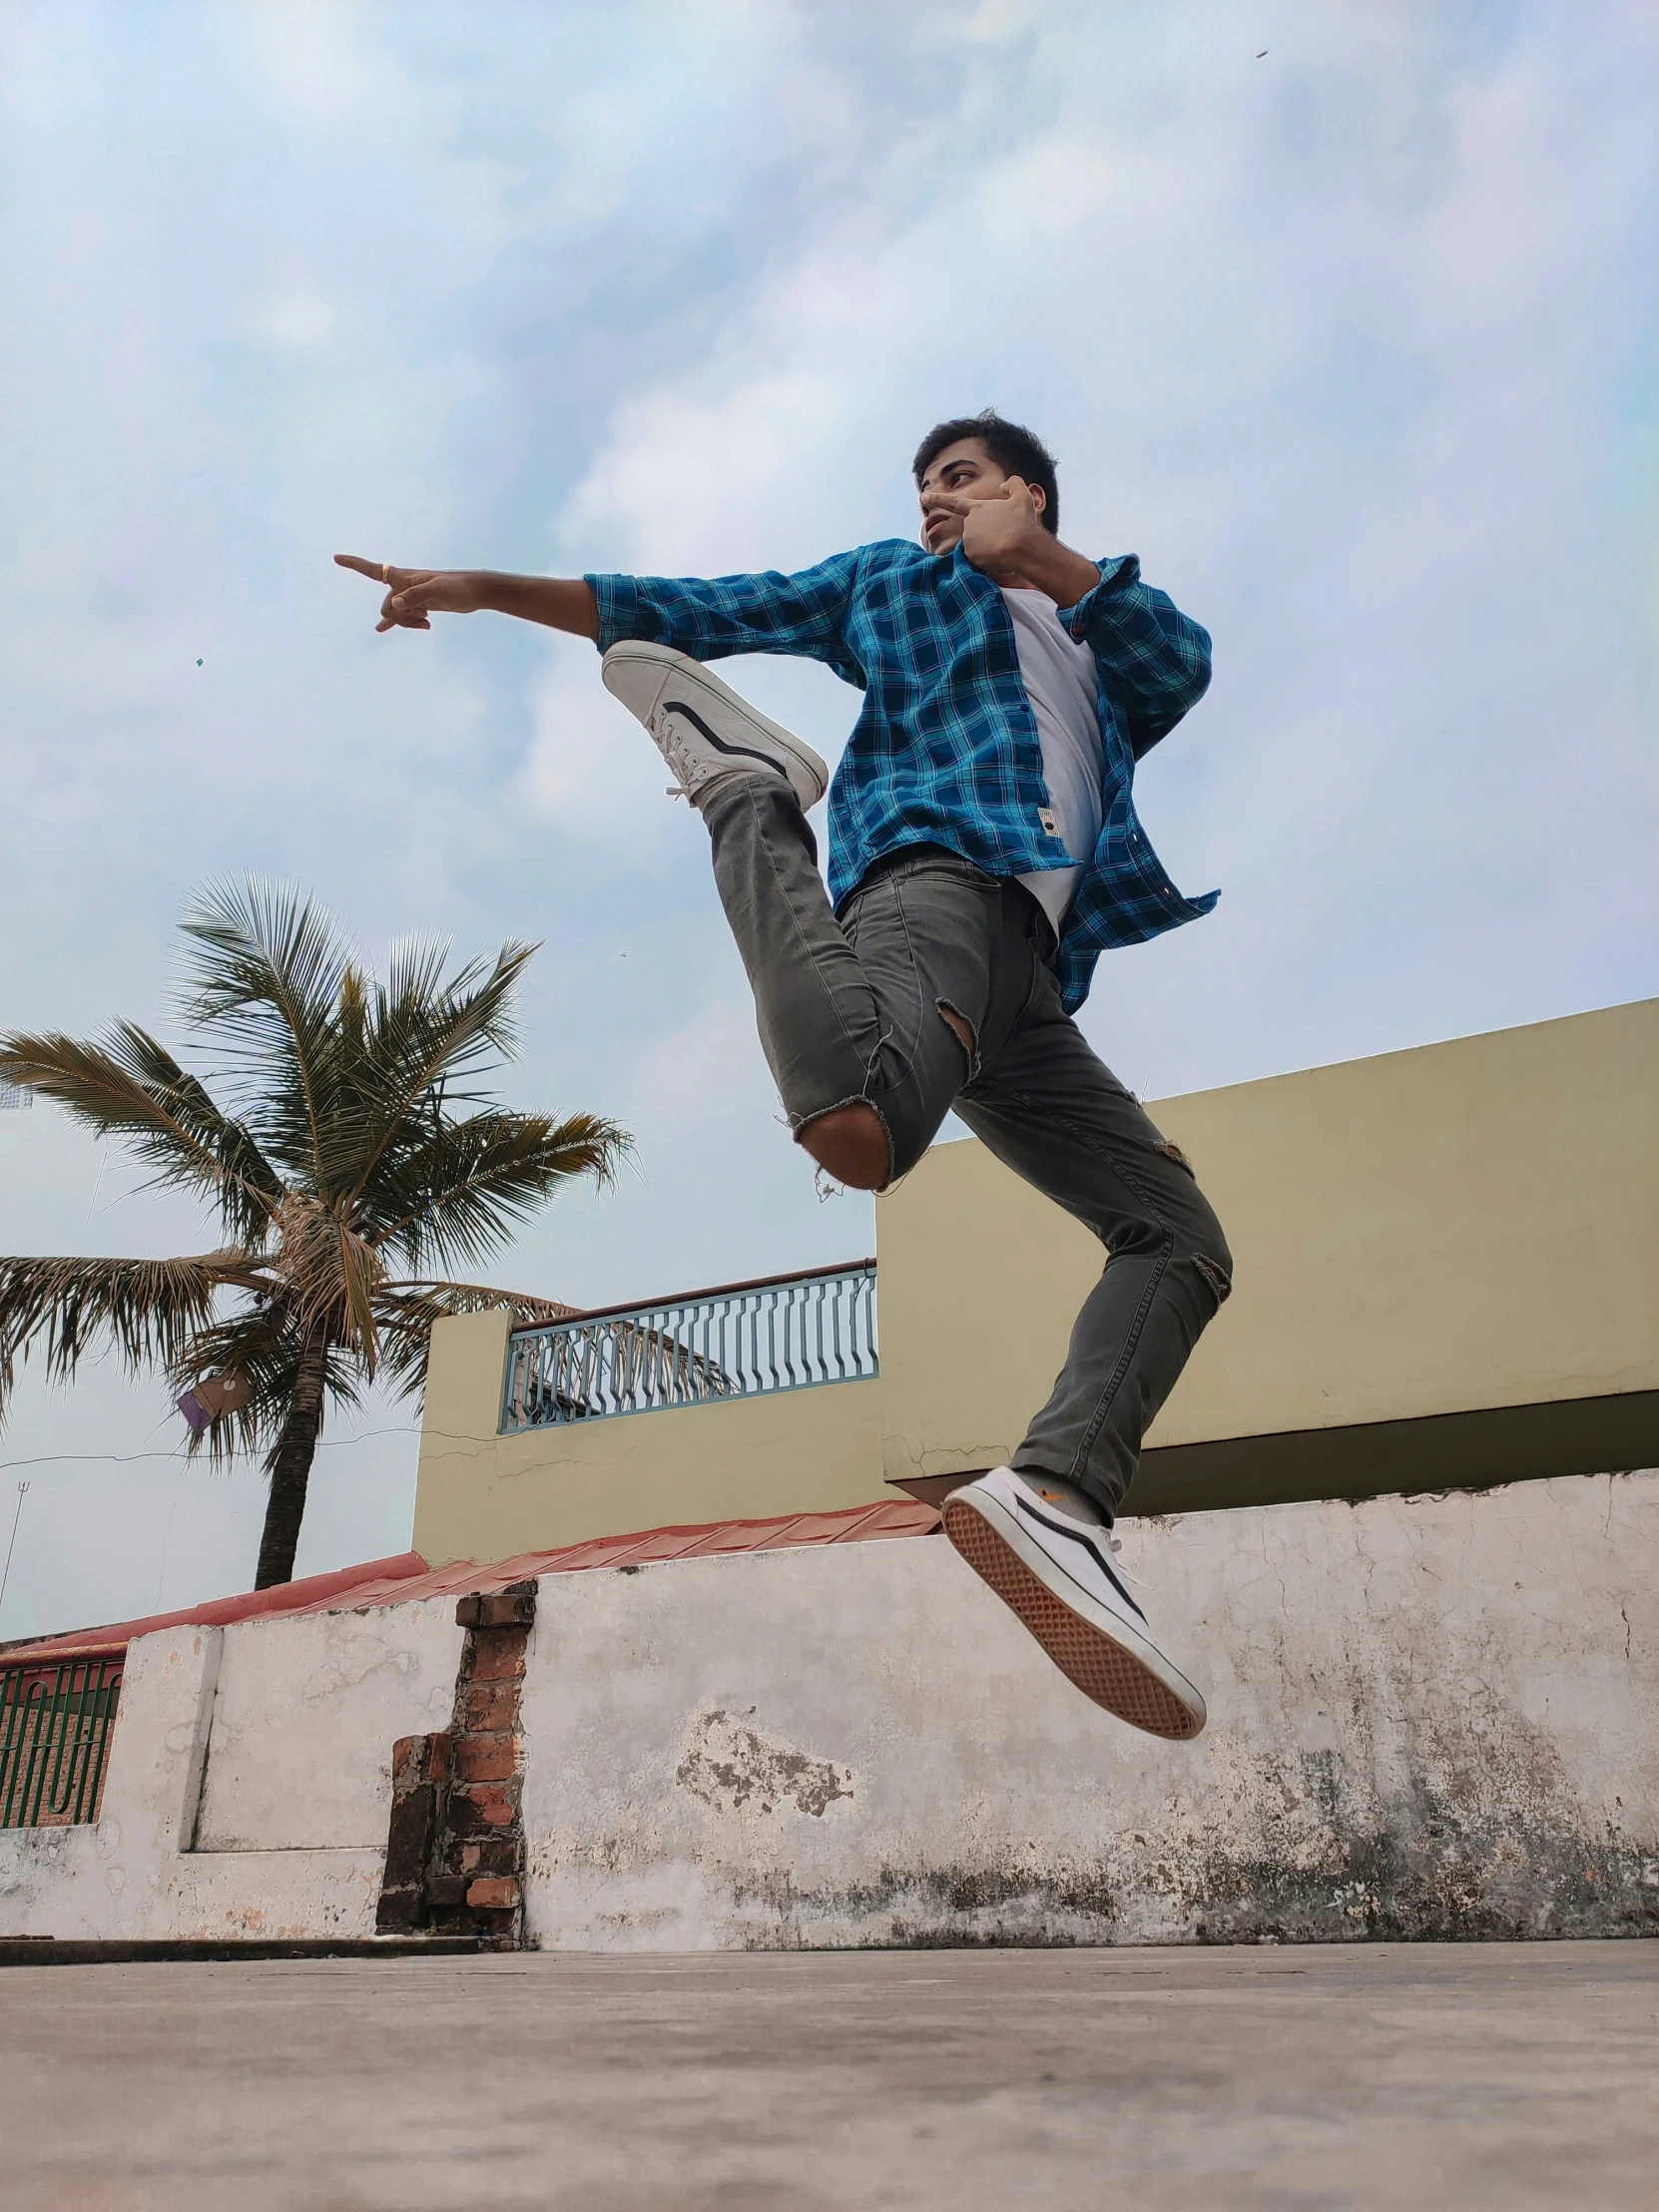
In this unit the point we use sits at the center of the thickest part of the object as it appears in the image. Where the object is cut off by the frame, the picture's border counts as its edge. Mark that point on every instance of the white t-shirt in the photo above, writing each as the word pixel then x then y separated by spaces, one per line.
pixel 1062 685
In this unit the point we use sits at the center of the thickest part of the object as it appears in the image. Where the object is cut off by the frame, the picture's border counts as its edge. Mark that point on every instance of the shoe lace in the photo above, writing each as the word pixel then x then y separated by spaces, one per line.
pixel 678 760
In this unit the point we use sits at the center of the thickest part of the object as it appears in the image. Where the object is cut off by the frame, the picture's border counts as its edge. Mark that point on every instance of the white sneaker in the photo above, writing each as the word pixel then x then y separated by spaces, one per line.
pixel 700 727
pixel 1057 1574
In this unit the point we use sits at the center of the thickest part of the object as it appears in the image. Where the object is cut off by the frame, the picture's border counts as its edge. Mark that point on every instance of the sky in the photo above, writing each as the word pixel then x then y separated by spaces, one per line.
pixel 1341 316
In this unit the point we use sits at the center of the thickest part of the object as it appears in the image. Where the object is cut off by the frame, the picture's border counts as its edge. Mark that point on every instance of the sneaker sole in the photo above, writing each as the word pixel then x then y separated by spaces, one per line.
pixel 670 666
pixel 1099 1662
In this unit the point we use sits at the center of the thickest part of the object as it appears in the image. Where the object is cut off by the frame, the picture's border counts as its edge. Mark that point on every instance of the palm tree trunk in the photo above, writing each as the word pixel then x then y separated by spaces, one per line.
pixel 290 1467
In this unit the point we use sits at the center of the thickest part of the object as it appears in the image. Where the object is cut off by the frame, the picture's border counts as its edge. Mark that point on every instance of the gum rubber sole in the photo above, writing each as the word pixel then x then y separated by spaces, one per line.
pixel 1103 1670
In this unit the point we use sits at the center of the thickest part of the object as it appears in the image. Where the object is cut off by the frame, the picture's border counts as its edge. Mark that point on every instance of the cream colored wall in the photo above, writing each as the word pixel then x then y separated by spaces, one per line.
pixel 1465 1226
pixel 480 1496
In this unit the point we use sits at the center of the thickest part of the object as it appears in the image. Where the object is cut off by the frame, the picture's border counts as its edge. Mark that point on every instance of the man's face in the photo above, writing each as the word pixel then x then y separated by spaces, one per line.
pixel 962 472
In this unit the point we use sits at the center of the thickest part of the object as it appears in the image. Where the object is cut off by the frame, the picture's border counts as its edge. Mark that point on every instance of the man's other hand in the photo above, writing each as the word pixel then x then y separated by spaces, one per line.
pixel 1002 535
pixel 413 594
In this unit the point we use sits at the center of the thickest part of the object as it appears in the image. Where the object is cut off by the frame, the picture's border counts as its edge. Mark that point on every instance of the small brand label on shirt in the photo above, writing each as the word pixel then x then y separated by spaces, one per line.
pixel 1046 815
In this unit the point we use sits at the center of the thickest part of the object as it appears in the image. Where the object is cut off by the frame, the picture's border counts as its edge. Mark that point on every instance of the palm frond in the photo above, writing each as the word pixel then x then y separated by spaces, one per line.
pixel 330 1274
pixel 421 1035
pixel 130 1086
pixel 266 975
pixel 147 1309
pixel 463 1191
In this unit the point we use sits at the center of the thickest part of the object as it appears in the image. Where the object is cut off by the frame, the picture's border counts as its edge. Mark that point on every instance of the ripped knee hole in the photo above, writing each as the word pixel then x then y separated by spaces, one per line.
pixel 852 1143
pixel 961 1029
pixel 1216 1276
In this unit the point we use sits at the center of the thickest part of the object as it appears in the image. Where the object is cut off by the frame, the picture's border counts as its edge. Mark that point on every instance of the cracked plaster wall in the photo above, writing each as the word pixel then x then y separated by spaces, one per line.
pixel 304 1715
pixel 248 1782
pixel 1428 1717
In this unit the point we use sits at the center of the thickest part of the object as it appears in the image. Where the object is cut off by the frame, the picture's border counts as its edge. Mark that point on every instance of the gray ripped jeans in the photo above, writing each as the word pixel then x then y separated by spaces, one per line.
pixel 850 1007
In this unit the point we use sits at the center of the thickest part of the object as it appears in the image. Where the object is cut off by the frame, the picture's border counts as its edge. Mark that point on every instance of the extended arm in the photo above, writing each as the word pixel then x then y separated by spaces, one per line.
pixel 711 617
pixel 414 595
pixel 704 616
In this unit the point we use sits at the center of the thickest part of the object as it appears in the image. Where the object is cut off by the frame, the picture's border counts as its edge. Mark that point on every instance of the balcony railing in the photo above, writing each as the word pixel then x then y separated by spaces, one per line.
pixel 55 1727
pixel 744 1340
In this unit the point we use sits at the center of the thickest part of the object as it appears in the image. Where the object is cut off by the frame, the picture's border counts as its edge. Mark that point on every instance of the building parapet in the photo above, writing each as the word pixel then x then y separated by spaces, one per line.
pixel 1429 1717
pixel 738 1340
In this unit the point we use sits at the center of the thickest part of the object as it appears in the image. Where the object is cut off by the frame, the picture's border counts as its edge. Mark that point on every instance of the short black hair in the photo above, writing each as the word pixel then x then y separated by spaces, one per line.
pixel 1015 451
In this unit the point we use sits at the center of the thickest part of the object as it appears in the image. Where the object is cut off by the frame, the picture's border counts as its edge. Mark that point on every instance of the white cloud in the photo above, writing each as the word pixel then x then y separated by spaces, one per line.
pixel 295 318
pixel 591 767
pixel 312 53
pixel 705 1070
pixel 688 476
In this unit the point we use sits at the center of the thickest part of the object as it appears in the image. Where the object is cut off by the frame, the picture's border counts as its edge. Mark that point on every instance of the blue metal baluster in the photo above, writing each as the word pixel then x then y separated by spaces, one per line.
pixel 701 1378
pixel 685 1356
pixel 664 1357
pixel 509 1385
pixel 660 1373
pixel 624 1345
pixel 589 1377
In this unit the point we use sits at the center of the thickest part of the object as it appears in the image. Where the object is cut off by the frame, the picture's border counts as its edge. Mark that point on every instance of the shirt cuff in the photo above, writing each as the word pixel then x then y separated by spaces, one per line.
pixel 1114 574
pixel 617 601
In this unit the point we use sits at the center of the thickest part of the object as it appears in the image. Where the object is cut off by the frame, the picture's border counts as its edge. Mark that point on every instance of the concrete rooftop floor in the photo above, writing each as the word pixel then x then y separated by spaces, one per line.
pixel 1306 2080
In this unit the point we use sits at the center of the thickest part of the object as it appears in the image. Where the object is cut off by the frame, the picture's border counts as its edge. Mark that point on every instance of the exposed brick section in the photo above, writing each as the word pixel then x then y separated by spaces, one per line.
pixel 513 1607
pixel 494 1894
pixel 501 1658
pixel 482 1808
pixel 490 1854
pixel 419 1777
pixel 455 1841
pixel 490 1705
pixel 488 1758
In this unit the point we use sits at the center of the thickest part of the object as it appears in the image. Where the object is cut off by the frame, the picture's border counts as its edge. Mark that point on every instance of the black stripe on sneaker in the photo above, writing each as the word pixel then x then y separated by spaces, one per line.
pixel 678 707
pixel 1101 1559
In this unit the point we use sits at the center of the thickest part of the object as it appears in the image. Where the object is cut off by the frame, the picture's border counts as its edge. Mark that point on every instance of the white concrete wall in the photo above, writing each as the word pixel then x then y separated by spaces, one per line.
pixel 262 1817
pixel 1428 1716
pixel 305 1716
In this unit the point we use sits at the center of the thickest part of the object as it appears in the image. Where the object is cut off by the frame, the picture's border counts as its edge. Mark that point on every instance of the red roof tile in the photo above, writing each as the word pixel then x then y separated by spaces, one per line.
pixel 406 1578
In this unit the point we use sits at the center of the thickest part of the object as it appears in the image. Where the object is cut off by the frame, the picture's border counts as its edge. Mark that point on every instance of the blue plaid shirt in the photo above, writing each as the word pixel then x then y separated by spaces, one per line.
pixel 946 750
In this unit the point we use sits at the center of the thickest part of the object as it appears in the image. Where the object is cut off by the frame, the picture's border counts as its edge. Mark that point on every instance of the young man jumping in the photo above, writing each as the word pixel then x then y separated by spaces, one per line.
pixel 984 851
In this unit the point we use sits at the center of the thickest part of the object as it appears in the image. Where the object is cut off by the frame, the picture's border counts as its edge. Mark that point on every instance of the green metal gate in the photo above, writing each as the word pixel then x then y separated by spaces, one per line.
pixel 55 1727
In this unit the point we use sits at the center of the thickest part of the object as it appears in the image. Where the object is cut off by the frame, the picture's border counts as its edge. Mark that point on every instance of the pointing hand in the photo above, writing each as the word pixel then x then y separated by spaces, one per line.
pixel 413 594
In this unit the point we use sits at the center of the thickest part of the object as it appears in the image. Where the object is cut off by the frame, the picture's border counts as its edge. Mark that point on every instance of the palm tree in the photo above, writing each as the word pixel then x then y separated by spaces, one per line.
pixel 352 1169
